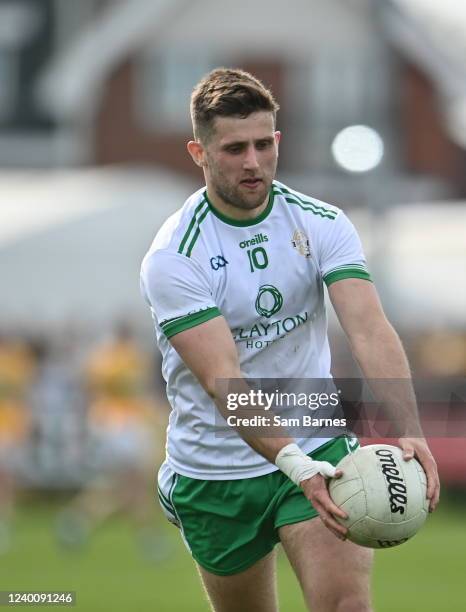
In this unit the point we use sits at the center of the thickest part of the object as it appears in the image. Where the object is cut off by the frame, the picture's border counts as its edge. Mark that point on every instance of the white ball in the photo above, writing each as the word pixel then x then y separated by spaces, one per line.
pixel 383 495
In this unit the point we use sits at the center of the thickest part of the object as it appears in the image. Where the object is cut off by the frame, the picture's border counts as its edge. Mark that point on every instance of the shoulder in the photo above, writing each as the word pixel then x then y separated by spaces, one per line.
pixel 324 222
pixel 175 231
pixel 167 253
pixel 304 205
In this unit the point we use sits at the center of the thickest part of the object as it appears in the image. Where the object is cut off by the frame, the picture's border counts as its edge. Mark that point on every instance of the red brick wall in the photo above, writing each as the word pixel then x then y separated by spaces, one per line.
pixel 119 138
pixel 427 146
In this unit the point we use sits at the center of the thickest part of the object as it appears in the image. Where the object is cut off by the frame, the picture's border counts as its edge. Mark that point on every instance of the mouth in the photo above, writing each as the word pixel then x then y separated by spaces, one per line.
pixel 251 183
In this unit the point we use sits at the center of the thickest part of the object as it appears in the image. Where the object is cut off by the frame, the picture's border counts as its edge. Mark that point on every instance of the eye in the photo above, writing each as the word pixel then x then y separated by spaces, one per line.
pixel 234 149
pixel 263 144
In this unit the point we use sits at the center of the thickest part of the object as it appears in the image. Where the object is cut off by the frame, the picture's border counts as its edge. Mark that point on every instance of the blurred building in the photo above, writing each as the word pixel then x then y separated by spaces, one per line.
pixel 102 82
pixel 94 117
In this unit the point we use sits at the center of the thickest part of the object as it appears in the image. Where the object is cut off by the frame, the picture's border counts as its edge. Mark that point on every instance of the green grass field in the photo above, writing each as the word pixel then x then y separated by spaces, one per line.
pixel 426 575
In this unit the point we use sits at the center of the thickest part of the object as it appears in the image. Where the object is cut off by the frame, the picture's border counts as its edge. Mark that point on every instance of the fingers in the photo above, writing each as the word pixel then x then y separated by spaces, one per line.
pixel 408 453
pixel 325 501
pixel 340 531
pixel 316 491
pixel 433 482
pixel 434 499
pixel 420 449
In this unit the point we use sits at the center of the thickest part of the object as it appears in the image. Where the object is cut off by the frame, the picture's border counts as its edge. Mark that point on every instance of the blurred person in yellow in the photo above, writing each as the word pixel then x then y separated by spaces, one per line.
pixel 17 366
pixel 235 282
pixel 123 425
pixel 442 353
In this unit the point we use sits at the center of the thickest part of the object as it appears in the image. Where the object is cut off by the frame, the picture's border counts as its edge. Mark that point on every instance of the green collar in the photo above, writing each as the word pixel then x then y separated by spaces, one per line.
pixel 246 222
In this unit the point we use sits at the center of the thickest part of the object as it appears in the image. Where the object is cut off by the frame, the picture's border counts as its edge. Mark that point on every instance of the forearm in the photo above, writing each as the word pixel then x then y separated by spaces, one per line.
pixel 383 361
pixel 381 357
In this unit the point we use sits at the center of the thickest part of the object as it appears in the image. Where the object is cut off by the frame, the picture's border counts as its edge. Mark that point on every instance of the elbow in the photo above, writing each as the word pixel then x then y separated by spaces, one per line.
pixel 373 338
pixel 219 385
pixel 211 388
pixel 362 345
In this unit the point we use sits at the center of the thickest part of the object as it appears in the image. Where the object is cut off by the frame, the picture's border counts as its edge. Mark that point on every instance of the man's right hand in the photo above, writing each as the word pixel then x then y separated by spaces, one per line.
pixel 316 491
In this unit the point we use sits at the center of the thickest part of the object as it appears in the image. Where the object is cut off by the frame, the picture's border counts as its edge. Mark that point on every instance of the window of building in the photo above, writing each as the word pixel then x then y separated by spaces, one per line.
pixel 164 84
pixel 8 86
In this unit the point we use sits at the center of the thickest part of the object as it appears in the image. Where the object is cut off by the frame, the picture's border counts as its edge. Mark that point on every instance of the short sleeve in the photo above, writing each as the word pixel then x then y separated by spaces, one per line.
pixel 340 252
pixel 177 290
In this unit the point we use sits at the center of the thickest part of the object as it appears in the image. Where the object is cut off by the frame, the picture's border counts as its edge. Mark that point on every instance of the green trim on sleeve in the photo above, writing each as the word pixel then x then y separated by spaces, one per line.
pixel 347 272
pixel 179 324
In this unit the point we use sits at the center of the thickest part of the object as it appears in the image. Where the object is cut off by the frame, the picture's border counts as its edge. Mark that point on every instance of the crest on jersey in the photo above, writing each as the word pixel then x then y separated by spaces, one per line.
pixel 300 242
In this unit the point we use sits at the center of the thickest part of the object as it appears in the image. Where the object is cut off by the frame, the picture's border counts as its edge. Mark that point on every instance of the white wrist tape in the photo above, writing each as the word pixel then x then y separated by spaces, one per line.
pixel 298 467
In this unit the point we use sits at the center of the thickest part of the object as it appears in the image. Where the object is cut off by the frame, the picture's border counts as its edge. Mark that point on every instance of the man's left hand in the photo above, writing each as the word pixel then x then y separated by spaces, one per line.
pixel 417 447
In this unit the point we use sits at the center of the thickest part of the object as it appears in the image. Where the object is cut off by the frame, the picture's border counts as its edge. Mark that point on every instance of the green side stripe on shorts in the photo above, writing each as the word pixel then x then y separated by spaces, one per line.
pixel 170 496
pixel 229 525
pixel 170 492
pixel 166 506
pixel 179 324
pixel 346 272
pixel 192 224
pixel 162 496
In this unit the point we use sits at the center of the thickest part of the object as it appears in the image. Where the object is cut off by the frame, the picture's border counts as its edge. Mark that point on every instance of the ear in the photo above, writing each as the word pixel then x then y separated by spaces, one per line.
pixel 277 135
pixel 196 150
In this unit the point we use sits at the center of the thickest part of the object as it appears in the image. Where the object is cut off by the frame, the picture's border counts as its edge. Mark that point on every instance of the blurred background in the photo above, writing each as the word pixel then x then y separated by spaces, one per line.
pixel 94 117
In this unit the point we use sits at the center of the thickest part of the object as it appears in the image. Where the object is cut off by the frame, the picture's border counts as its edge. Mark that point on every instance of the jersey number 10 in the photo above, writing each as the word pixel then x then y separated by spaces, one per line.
pixel 258 259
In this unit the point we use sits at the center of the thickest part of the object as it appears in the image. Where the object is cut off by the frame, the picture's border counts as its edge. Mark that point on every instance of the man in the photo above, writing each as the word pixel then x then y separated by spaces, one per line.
pixel 241 257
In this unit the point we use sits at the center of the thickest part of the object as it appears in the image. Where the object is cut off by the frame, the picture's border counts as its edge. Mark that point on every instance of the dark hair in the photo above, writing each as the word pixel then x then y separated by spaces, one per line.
pixel 226 92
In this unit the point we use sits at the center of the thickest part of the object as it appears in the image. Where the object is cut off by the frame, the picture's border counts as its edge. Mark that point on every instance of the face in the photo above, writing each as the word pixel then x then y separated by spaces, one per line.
pixel 240 159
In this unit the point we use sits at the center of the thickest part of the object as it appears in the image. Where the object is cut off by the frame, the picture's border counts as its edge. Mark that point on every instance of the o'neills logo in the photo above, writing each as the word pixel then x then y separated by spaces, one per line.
pixel 395 482
pixel 258 239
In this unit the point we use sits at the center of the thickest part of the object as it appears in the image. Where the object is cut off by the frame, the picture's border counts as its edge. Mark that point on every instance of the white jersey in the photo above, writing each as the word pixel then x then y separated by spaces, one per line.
pixel 266 277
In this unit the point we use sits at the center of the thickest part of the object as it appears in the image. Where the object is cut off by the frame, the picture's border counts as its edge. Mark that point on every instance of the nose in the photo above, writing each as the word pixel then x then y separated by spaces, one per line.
pixel 250 160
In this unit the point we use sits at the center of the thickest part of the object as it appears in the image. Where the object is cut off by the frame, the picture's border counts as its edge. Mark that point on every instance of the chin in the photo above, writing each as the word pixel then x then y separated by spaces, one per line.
pixel 251 204
pixel 260 201
pixel 255 199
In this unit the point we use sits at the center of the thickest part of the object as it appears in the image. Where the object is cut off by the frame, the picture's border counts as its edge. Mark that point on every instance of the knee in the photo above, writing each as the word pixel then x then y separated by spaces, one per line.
pixel 353 603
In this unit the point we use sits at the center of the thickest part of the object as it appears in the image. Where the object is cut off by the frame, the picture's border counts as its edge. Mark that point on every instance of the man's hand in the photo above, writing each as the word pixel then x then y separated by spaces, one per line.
pixel 315 489
pixel 417 447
